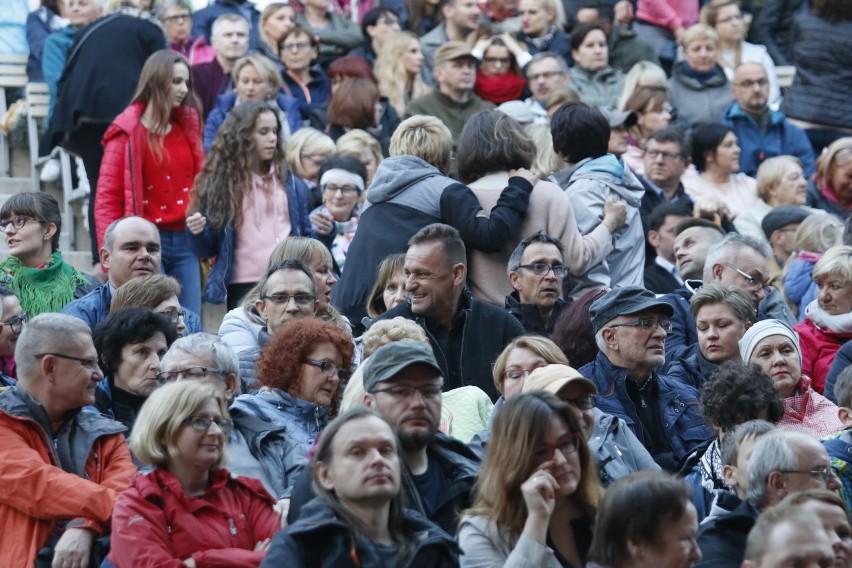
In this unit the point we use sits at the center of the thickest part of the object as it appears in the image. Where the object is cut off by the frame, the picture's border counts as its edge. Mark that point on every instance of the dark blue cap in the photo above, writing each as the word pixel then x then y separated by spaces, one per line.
pixel 624 302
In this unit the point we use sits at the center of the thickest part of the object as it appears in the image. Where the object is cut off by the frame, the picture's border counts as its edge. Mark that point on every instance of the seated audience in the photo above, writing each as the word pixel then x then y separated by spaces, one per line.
pixel 158 293
pixel 498 77
pixel 774 347
pixel 62 469
pixel 229 37
pixel 358 515
pixel 35 270
pixel 306 152
pixel 303 79
pixel 389 289
pixel 189 510
pixel 398 70
pixel 832 187
pixel 785 536
pixel 661 275
pixel 130 344
pixel 592 77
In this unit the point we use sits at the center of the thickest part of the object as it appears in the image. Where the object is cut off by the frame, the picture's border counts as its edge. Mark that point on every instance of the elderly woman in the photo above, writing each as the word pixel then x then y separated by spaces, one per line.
pixel 722 316
pixel 774 347
pixel 541 27
pixel 828 319
pixel 832 190
pixel 130 344
pixel 780 181
pixel 189 511
pixel 814 236
pixel 156 292
pixel 491 145
pixel 35 269
pixel 716 156
pixel 592 77
pixel 301 369
pixel 700 90
pixel 646 519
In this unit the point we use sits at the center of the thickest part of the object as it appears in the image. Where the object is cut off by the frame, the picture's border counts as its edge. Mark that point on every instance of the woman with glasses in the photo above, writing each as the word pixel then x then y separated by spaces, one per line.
pixel 189 510
pixel 307 82
pixel 536 500
pixel 774 347
pixel 275 20
pixel 11 325
pixel 498 77
pixel 35 269
pixel 156 292
pixel 130 344
pixel 301 369
pixel 491 145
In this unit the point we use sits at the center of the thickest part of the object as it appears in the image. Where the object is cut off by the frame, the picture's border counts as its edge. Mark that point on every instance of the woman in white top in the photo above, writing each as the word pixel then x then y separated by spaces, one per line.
pixel 780 181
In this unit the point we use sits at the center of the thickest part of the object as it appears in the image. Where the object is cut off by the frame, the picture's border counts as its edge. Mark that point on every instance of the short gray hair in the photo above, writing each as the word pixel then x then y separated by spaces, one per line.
pixel 731 245
pixel 542 55
pixel 772 452
pixel 202 345
pixel 229 17
pixel 47 332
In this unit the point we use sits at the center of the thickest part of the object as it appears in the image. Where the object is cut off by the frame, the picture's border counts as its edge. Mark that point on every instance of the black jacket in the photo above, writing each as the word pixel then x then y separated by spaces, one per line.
pixel 530 316
pixel 319 539
pixel 388 121
pixel 658 281
pixel 722 539
pixel 772 26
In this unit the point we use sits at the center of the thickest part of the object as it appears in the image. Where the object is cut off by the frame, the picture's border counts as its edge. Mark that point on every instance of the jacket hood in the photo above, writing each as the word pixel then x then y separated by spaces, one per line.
pixel 736 111
pixel 613 172
pixel 398 173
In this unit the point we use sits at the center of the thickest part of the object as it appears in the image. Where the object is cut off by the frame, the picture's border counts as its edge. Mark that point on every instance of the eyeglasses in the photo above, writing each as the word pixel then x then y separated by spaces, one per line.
pixel 749 84
pixel 202 424
pixel 174 315
pixel 328 368
pixel 301 299
pixel 388 21
pixel 91 364
pixel 752 282
pixel 318 160
pixel 407 391
pixel 546 75
pixel 502 61
pixel 825 473
pixel 178 18
pixel 193 373
pixel 16 324
pixel 542 268
pixel 18 221
pixel 568 445
pixel 583 403
pixel 344 189
pixel 666 156
pixel 730 19
pixel 295 47
pixel 518 374
pixel 647 324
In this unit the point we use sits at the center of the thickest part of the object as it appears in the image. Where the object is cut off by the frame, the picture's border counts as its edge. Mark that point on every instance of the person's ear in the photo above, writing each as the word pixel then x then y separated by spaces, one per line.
pixel 608 335
pixel 231 385
pixel 717 270
pixel 324 477
pixel 459 274
pixel 728 473
pixel 654 238
pixel 845 415
pixel 369 400
pixel 515 280
pixel 50 231
pixel 104 256
pixel 260 306
pixel 776 484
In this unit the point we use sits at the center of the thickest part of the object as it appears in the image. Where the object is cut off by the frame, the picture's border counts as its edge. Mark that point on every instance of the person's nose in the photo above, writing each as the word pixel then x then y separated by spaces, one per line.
pixel 760 294
pixel 400 295
pixel 833 482
pixel 823 294
pixel 214 429
pixel 712 332
pixel 291 307
pixel 659 332
pixel 694 551
pixel 559 456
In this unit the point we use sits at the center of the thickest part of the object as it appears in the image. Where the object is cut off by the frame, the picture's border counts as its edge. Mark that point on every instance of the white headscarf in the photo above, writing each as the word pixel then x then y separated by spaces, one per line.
pixel 763 329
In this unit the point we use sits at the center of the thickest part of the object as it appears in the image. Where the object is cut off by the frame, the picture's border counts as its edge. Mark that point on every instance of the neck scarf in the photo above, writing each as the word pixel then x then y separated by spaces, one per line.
pixel 46 289
pixel 499 88
pixel 540 43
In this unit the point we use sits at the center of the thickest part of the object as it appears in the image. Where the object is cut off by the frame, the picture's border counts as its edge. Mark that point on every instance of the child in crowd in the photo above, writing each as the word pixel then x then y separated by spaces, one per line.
pixel 839 444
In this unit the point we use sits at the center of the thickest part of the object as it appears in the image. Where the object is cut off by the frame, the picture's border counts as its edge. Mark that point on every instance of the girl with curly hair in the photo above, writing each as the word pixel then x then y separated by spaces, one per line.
pixel 398 68
pixel 301 370
pixel 244 202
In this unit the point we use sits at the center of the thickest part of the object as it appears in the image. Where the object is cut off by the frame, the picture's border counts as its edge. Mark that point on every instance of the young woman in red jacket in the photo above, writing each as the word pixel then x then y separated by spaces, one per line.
pixel 152 153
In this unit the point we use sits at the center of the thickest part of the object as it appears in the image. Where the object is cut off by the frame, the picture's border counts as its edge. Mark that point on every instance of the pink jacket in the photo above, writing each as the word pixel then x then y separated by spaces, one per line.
pixel 819 346
pixel 669 14
pixel 119 192
pixel 810 412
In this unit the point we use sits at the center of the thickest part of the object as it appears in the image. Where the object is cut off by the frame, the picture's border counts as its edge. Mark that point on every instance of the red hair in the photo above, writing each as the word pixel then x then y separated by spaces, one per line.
pixel 353 67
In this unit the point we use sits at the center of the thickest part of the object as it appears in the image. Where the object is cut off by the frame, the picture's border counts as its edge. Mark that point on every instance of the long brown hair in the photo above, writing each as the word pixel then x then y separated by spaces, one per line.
pixel 353 104
pixel 228 168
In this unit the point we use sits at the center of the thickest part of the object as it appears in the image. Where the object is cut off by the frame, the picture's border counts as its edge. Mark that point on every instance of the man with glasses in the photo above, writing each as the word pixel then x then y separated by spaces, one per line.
pixel 177 21
pixel 536 272
pixel 62 469
pixel 781 463
pixel 546 73
pixel 763 133
pixel 630 330
pixel 666 159
pixel 12 319
pixel 287 293
pixel 614 446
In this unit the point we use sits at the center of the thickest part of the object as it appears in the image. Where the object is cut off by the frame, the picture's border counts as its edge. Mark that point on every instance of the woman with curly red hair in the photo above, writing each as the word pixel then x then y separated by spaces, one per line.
pixel 301 369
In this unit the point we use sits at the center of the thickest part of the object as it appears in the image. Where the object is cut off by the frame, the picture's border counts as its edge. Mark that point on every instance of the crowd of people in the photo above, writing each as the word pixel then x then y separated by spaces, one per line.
pixel 555 283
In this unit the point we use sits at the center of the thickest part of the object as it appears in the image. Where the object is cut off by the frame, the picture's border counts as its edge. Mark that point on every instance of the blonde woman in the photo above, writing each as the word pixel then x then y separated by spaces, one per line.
pixel 643 74
pixel 398 70
pixel 307 150
pixel 546 161
pixel 363 146
pixel 699 88
pixel 815 235
pixel 780 181
pixel 276 20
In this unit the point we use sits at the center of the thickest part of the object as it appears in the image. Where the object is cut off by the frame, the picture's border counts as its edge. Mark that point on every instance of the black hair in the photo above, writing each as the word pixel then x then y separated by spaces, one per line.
pixel 125 327
pixel 371 18
pixel 659 213
pixel 735 393
pixel 706 137
pixel 348 163
pixel 671 134
pixel 698 222
pixel 581 30
pixel 579 131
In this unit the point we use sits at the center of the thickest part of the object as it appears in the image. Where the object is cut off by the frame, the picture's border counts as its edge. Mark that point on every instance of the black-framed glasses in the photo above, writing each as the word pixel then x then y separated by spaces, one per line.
pixel 91 364
pixel 301 299
pixel 542 268
pixel 344 189
pixel 202 424
pixel 666 156
pixel 174 315
pixel 193 373
pixel 752 282
pixel 567 445
pixel 328 368
pixel 407 391
pixel 647 324
pixel 16 324
pixel 18 221
pixel 295 47
pixel 586 402
pixel 178 18
pixel 825 473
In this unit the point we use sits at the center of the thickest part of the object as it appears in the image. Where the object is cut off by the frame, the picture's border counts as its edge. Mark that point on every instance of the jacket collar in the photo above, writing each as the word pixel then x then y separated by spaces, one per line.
pixel 736 111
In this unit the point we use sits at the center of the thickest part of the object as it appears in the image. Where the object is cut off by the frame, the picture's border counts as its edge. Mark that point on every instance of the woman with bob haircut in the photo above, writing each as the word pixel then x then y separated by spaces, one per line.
pixel 35 270
pixel 828 319
pixel 298 48
pixel 780 181
pixel 306 152
pixel 156 292
pixel 596 81
pixel 491 145
pixel 832 189
pixel 537 491
pixel 301 369
pixel 358 517
pixel 189 510
pixel 389 288
pixel 152 153
pixel 816 234
pixel 364 146
pixel 716 156
pixel 398 70
pixel 646 520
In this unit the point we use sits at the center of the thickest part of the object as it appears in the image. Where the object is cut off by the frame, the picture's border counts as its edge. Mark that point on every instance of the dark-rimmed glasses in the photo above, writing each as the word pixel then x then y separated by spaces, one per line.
pixel 193 372
pixel 542 268
pixel 301 299
pixel 568 445
pixel 91 364
pixel 328 368
pixel 647 324
pixel 16 324
pixel 18 221
pixel 407 391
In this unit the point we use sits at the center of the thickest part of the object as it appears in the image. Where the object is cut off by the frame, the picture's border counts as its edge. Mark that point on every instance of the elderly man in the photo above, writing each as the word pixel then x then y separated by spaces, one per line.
pixel 454 100
pixel 763 133
pixel 536 272
pixel 546 73
pixel 61 469
pixel 287 293
pixel 412 188
pixel 781 463
pixel 230 39
pixel 466 334
pixel 131 249
pixel 460 18
pixel 630 330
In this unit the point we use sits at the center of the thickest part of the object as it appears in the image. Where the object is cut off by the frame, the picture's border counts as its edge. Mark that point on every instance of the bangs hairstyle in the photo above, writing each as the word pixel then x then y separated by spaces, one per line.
pixel 735 298
pixel 838 152
pixel 264 67
pixel 541 346
pixel 390 266
pixel 228 168
pixel 298 31
pixel 710 11
pixel 425 137
pixel 162 416
pixel 307 142
pixel 697 32
pixel 492 141
pixel 518 429
pixel 267 13
pixel 581 30
pixel 39 205
pixel 706 138
pixel 144 292
pixel 353 104
pixel 154 91
pixel 126 327
pixel 647 99
pixel 771 172
pixel 836 260
pixel 643 74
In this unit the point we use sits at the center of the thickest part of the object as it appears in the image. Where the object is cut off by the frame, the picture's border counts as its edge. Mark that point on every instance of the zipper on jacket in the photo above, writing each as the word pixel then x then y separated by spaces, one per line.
pixel 233 527
pixel 316 417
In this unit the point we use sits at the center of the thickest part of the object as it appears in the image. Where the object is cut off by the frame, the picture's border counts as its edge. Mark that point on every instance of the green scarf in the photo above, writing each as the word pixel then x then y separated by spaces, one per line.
pixel 47 289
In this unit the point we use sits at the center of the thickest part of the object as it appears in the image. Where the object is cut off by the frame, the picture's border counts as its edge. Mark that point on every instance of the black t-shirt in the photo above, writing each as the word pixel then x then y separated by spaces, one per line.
pixel 582 529
pixel 431 485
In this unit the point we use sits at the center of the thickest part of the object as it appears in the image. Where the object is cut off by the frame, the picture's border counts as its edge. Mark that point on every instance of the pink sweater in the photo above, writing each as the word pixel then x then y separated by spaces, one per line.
pixel 669 14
